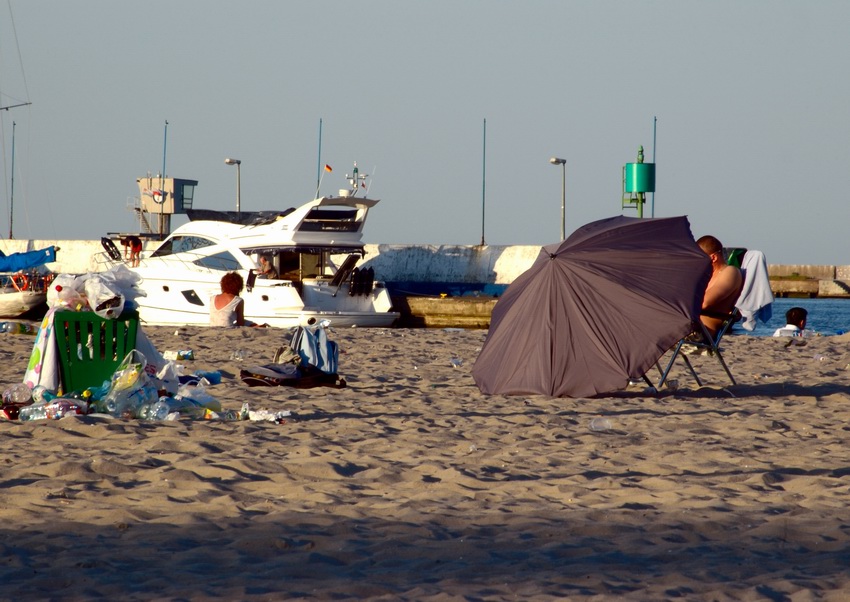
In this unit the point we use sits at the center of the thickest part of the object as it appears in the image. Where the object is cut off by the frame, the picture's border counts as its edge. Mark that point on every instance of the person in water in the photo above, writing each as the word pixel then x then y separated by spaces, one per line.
pixel 795 319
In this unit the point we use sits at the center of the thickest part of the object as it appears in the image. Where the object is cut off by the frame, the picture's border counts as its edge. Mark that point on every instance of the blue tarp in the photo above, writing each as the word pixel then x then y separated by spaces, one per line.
pixel 28 260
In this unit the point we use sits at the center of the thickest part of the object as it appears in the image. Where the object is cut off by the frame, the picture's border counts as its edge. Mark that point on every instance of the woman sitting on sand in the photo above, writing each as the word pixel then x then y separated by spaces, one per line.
pixel 227 308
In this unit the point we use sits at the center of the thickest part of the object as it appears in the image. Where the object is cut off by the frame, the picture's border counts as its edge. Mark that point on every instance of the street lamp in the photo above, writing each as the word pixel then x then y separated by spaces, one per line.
pixel 563 164
pixel 238 165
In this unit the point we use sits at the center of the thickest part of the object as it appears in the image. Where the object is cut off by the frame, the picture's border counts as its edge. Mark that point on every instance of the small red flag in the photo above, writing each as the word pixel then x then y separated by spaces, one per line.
pixel 328 168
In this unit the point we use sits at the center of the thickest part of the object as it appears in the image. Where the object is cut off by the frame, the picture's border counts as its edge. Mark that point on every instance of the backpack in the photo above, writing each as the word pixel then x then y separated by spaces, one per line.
pixel 315 348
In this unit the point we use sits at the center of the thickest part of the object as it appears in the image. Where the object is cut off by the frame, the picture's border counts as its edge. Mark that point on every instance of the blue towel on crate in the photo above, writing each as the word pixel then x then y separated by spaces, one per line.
pixel 756 300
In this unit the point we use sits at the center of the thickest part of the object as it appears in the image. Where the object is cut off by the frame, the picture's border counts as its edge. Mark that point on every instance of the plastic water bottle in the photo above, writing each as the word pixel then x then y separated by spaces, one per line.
pixel 159 410
pixel 54 410
pixel 61 407
pixel 36 411
pixel 18 393
pixel 17 328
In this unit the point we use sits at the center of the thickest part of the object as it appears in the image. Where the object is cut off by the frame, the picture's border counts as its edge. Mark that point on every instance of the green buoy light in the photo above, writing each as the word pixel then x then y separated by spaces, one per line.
pixel 638 179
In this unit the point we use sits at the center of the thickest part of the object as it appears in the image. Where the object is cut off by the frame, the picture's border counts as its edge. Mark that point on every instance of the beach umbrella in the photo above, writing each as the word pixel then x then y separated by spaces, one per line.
pixel 595 310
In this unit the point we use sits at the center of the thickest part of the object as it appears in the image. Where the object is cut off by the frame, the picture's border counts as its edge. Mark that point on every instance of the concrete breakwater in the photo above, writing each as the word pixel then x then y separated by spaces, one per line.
pixel 471 267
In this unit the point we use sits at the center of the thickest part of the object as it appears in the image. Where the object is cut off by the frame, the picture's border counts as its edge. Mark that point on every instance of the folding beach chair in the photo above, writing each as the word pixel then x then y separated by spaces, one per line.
pixel 701 342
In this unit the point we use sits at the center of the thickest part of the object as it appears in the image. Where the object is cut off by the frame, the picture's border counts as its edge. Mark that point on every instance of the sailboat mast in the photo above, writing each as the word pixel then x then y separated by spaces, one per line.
pixel 12 195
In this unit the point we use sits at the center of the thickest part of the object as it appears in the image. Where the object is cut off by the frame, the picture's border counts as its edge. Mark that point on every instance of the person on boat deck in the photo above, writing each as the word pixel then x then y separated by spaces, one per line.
pixel 132 250
pixel 795 319
pixel 723 288
pixel 227 308
pixel 267 269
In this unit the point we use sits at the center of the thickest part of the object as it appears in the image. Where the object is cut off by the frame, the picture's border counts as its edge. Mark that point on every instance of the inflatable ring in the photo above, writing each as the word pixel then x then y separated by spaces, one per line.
pixel 20 282
pixel 111 249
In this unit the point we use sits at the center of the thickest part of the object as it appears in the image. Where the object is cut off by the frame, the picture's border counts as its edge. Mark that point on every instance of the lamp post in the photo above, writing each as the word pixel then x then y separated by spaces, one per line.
pixel 238 165
pixel 563 164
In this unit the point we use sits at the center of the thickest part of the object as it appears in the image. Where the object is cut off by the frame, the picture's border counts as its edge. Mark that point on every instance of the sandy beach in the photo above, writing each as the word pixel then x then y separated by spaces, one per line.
pixel 409 484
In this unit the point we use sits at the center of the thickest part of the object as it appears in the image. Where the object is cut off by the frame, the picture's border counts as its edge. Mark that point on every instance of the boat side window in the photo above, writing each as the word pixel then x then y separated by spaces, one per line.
pixel 224 261
pixel 311 265
pixel 289 266
pixel 181 244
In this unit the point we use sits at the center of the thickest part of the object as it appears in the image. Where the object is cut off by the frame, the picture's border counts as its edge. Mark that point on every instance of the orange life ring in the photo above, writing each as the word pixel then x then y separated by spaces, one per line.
pixel 20 282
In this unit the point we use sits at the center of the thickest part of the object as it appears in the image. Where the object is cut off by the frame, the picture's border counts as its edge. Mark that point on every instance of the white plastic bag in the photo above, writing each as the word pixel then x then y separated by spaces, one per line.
pixel 104 300
pixel 66 291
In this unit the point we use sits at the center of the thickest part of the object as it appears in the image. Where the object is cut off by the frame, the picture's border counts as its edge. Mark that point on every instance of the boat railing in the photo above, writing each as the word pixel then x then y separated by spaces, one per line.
pixel 31 281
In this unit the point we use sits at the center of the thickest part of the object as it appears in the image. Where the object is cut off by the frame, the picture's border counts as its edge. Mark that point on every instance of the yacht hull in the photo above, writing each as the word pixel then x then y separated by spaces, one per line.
pixel 175 302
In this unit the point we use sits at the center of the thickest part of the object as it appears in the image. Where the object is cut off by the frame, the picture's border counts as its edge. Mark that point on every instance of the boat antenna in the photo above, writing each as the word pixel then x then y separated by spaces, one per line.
pixel 356 180
pixel 369 185
pixel 164 149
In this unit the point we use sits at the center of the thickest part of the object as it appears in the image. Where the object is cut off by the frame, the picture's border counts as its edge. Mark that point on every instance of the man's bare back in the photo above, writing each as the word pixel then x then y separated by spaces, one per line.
pixel 723 288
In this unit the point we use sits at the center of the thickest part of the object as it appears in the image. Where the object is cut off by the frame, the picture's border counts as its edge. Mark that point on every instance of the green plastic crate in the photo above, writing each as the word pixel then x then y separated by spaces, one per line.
pixel 90 348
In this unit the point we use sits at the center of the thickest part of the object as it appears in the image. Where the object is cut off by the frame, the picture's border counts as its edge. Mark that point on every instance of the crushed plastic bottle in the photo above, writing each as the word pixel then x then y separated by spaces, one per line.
pixel 18 393
pixel 268 416
pixel 238 355
pixel 600 424
pixel 181 355
pixel 456 362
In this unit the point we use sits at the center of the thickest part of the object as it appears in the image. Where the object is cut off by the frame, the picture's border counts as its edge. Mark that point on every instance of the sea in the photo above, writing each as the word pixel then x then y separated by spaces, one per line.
pixel 826 316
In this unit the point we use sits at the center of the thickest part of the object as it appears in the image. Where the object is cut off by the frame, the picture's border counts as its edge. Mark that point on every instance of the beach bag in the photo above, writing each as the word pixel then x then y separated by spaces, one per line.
pixel 315 348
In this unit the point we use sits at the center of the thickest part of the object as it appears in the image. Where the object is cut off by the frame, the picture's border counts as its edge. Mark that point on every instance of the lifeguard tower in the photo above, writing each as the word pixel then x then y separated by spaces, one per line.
pixel 638 179
pixel 159 199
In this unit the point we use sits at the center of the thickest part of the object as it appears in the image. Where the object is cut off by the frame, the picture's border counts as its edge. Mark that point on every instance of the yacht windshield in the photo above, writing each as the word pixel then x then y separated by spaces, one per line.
pixel 181 244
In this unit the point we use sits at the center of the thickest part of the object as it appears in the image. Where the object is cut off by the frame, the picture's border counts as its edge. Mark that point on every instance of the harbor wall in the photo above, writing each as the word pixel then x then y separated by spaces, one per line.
pixel 472 264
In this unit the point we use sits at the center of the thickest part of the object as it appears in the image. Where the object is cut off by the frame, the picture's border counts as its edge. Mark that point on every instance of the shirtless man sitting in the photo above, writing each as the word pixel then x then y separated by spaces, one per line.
pixel 723 288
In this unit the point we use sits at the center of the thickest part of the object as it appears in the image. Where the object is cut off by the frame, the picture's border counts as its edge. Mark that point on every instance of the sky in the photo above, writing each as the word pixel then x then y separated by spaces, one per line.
pixel 744 106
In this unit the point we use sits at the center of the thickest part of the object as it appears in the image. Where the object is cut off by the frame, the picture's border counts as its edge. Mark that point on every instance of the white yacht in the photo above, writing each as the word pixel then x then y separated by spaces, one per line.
pixel 314 249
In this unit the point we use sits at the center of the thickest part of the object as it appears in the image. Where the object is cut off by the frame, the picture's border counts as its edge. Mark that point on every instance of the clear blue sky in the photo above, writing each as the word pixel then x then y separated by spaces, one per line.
pixel 752 100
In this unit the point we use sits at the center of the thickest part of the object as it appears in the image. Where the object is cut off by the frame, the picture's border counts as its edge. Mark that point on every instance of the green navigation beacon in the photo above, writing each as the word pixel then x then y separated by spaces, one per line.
pixel 638 179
